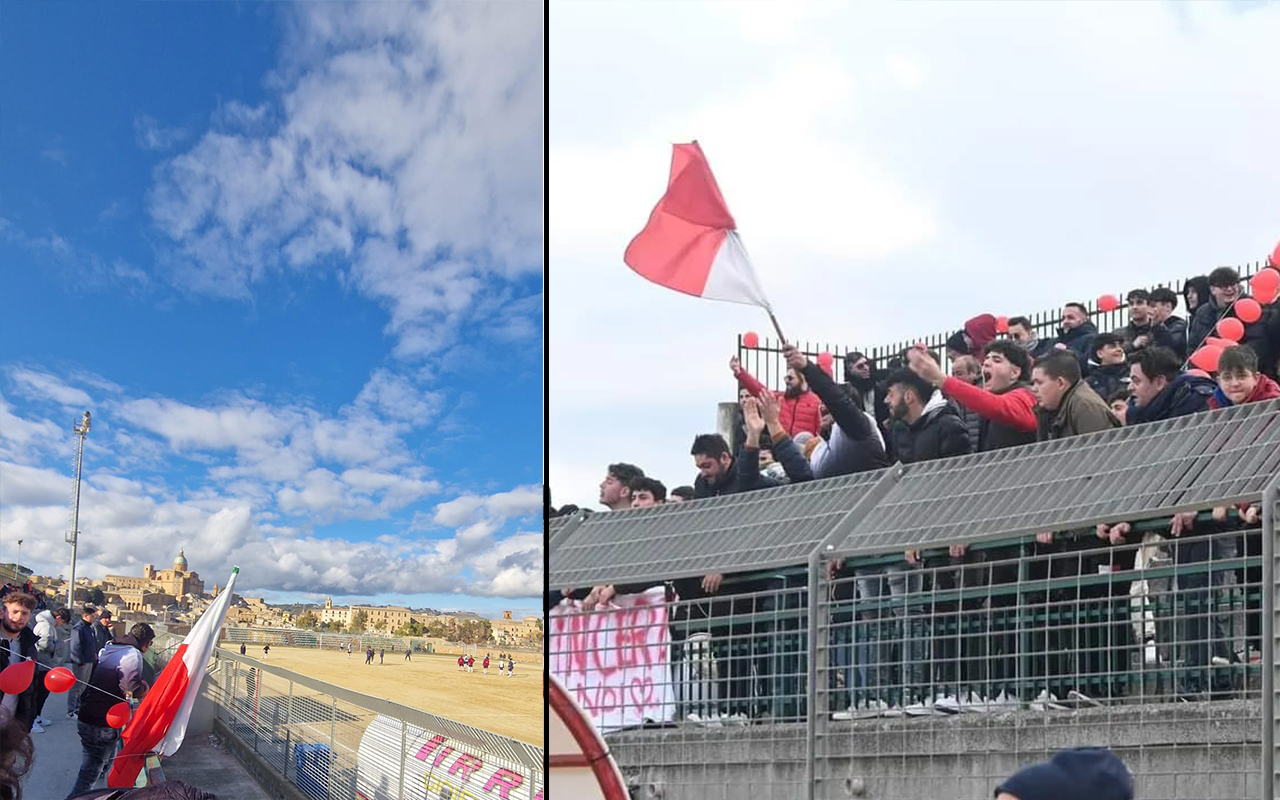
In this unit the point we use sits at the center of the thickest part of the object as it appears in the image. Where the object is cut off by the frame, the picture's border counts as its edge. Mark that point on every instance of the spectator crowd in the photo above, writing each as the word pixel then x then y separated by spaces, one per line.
pixel 998 392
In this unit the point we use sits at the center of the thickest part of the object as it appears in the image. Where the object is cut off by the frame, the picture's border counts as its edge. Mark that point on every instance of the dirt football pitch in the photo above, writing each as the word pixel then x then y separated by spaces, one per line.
pixel 511 706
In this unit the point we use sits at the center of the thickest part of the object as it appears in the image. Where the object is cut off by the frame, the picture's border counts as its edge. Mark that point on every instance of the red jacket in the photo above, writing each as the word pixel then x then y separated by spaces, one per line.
pixel 1016 408
pixel 1266 389
pixel 796 414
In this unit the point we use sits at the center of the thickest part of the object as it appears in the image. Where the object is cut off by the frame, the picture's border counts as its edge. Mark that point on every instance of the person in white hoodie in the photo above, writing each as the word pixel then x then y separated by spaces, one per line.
pixel 51 651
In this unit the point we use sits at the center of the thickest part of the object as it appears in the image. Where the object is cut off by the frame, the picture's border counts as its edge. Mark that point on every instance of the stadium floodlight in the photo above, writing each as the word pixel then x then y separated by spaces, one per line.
pixel 17 566
pixel 81 431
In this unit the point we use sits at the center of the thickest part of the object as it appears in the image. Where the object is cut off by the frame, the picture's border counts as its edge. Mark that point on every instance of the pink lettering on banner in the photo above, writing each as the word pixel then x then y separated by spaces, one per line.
pixel 466 764
pixel 505 780
pixel 616 662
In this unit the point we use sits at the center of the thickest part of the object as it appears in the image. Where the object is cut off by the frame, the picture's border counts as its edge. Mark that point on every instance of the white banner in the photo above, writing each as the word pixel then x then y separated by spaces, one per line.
pixel 615 661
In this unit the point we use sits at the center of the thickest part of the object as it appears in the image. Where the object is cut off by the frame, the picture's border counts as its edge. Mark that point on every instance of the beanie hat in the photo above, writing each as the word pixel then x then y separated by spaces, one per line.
pixel 1082 773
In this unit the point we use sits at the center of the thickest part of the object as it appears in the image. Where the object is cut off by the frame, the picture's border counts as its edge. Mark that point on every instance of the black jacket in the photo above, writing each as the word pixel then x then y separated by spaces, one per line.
pixel 1109 379
pixel 939 433
pixel 859 447
pixel 997 435
pixel 1256 336
pixel 119 670
pixel 1187 394
pixel 1177 328
pixel 743 476
pixel 84 643
pixel 1080 340
pixel 25 713
pixel 1156 335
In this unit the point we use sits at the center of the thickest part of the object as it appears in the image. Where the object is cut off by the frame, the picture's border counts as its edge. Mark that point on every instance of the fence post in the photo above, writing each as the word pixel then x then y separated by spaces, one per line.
pixel 404 745
pixel 825 547
pixel 333 729
pixel 1269 598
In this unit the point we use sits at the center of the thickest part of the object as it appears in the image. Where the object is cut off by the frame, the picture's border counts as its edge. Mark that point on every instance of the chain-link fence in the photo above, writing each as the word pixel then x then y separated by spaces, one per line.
pixel 331 742
pixel 765 361
pixel 924 631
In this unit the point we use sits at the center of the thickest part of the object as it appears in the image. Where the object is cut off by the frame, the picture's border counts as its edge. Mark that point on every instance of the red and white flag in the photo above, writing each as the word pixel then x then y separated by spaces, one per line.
pixel 160 723
pixel 690 243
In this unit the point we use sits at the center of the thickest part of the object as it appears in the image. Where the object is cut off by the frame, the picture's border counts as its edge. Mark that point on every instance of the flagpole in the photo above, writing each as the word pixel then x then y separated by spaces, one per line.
pixel 776 326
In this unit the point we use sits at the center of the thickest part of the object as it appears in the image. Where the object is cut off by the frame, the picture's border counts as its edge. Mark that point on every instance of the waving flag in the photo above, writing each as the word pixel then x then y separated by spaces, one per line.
pixel 690 243
pixel 160 723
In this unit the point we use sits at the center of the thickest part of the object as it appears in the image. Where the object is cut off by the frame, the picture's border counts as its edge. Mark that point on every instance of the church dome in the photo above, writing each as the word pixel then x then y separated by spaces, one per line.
pixel 180 563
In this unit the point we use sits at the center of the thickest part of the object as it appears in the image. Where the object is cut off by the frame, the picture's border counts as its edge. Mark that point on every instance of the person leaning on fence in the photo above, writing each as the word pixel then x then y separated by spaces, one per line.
pixel 1066 406
pixel 680 494
pixel 1160 391
pixel 924 427
pixel 852 443
pixel 1080 773
pixel 615 489
pixel 1007 407
pixel 646 492
pixel 719 473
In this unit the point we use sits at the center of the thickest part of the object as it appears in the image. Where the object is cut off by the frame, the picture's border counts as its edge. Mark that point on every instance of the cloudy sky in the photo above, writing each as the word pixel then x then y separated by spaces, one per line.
pixel 894 169
pixel 290 257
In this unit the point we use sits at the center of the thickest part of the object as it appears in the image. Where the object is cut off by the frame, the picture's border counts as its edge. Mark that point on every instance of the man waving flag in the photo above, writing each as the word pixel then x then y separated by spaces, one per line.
pixel 160 723
pixel 690 243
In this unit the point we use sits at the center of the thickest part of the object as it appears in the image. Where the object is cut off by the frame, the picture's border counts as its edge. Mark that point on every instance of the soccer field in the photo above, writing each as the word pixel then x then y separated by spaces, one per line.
pixel 511 706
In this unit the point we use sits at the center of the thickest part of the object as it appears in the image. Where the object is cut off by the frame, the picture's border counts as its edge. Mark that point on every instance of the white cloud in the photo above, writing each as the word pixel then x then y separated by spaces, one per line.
pixel 409 142
pixel 894 169
pixel 151 135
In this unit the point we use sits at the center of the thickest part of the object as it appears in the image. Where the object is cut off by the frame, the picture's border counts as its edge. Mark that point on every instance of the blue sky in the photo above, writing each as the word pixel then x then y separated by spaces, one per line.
pixel 290 258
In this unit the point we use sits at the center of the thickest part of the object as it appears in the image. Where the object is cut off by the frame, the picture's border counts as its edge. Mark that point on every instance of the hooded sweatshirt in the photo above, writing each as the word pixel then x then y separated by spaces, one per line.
pixel 119 670
pixel 981 331
pixel 938 433
pixel 48 643
pixel 855 444
pixel 1266 389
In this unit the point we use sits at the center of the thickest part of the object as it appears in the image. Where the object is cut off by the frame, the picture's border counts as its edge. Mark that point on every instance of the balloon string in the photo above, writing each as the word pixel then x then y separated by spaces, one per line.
pixel 1221 316
pixel 87 685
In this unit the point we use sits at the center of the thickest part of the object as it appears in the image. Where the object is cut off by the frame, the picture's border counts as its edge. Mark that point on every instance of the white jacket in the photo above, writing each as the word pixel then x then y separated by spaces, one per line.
pixel 51 647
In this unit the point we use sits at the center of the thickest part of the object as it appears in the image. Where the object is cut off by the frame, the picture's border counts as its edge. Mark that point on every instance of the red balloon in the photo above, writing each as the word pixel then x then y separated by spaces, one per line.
pixel 1265 282
pixel 1231 328
pixel 825 359
pixel 751 339
pixel 1108 302
pixel 1266 299
pixel 1002 324
pixel 1248 310
pixel 59 680
pixel 118 715
pixel 1206 358
pixel 1217 341
pixel 17 677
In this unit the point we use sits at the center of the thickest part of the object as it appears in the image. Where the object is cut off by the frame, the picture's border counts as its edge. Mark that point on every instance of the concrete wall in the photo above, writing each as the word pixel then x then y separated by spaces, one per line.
pixel 1187 751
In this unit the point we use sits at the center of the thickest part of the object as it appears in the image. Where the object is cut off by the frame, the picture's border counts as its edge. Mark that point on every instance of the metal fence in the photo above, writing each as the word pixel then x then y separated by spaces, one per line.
pixel 291 637
pixel 830 664
pixel 765 361
pixel 331 742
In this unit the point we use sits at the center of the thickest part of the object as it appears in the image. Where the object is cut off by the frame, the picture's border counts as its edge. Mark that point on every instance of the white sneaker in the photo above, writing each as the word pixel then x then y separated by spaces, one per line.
pixel 840 716
pixel 1003 702
pixel 72 715
pixel 946 703
pixel 1082 698
pixel 35 728
pixel 921 709
pixel 41 721
pixel 1219 661
pixel 974 703
pixel 874 708
pixel 734 719
pixel 1046 701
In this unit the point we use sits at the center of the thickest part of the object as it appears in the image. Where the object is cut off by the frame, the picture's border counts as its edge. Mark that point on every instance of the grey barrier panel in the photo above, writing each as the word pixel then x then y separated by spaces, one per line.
pixel 1270 611
pixel 1216 457
pixel 734 533
pixel 560 528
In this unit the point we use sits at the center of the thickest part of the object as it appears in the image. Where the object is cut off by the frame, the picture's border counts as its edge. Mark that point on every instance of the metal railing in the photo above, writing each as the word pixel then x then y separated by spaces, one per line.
pixel 332 742
pixel 765 360
pixel 829 665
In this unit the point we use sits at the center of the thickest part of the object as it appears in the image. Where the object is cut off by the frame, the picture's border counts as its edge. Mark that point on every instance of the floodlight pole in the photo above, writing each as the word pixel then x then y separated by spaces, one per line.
pixel 81 431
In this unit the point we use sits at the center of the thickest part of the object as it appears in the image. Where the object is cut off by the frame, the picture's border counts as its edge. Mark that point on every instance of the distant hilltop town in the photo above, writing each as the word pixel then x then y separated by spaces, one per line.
pixel 178 595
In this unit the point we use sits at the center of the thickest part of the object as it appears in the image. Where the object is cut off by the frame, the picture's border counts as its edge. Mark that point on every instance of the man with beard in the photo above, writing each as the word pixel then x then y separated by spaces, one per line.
pixel 615 489
pixel 865 380
pixel 1111 374
pixel 118 674
pixel 1142 331
pixel 798 406
pixel 1076 332
pixel 1021 331
pixel 18 643
pixel 720 473
pixel 852 443
pixel 1163 303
